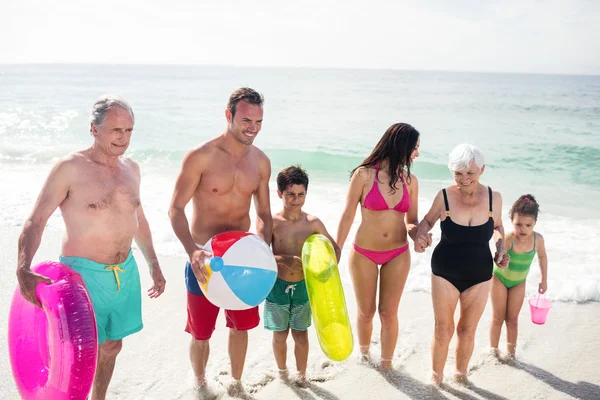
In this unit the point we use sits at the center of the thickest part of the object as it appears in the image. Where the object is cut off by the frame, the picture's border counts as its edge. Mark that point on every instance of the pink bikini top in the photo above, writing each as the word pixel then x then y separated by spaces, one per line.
pixel 374 199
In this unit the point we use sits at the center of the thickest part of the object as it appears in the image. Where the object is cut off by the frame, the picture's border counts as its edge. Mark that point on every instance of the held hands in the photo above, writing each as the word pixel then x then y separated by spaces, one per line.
pixel 28 281
pixel 197 262
pixel 158 287
pixel 423 242
pixel 501 259
pixel 543 286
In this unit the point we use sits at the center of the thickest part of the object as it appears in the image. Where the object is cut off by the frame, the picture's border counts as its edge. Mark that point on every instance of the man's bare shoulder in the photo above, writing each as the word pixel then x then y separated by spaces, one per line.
pixel 260 155
pixel 201 157
pixel 72 162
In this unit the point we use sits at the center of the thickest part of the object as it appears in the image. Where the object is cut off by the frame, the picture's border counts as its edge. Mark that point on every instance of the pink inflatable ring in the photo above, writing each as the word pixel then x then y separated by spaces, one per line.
pixel 53 351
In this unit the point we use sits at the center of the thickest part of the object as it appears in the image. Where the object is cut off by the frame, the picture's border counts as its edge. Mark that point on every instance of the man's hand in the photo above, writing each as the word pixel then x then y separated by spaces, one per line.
pixel 28 282
pixel 197 262
pixel 159 283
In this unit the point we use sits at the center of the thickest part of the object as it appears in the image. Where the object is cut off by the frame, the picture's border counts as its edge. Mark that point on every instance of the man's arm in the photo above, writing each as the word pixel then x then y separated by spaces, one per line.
pixel 143 238
pixel 185 186
pixel 262 203
pixel 194 165
pixel 53 193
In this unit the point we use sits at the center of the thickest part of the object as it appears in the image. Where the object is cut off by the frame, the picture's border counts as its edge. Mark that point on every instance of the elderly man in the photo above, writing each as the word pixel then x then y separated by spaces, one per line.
pixel 98 193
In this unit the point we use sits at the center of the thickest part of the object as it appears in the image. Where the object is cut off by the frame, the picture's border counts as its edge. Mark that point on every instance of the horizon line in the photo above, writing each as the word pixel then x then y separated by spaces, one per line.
pixel 142 64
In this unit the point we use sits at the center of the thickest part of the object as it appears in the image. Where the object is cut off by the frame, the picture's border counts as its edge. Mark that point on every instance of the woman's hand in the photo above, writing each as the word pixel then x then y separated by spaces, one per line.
pixel 501 259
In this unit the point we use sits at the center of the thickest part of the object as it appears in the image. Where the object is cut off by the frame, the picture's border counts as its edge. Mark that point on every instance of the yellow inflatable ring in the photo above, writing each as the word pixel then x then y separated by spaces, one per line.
pixel 326 297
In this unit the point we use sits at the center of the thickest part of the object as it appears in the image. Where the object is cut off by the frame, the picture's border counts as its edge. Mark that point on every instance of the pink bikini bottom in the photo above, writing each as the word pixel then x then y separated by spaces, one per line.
pixel 381 257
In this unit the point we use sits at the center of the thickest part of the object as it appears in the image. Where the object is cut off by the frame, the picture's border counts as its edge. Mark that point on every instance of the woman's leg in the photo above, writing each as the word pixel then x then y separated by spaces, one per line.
pixel 445 298
pixel 498 296
pixel 516 295
pixel 364 275
pixel 472 304
pixel 391 285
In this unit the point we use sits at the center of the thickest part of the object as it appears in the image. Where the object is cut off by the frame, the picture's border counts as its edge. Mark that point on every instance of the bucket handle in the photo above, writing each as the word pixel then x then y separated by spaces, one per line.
pixel 538 299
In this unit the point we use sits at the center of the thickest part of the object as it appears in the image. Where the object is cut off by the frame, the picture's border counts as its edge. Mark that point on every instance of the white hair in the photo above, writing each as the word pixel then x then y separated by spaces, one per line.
pixel 463 155
pixel 106 103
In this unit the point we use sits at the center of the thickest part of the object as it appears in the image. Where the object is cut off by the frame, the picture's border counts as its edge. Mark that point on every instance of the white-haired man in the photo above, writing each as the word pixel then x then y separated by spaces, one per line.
pixel 98 193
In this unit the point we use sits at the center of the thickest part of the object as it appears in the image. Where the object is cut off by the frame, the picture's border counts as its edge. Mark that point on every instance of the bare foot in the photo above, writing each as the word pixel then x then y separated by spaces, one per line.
pixel 461 377
pixel 301 380
pixel 509 358
pixel 236 389
pixel 495 352
pixel 284 374
pixel 436 378
pixel 385 363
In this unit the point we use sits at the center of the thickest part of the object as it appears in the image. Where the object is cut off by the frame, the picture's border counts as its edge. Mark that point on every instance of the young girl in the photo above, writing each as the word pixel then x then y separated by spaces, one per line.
pixel 508 285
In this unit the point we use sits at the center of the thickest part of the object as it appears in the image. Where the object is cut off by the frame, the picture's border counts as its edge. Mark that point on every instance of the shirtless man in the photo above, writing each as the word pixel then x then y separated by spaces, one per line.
pixel 287 307
pixel 221 177
pixel 98 193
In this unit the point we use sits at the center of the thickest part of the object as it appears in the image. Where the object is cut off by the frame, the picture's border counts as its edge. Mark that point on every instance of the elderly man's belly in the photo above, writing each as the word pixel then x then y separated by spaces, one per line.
pixel 104 240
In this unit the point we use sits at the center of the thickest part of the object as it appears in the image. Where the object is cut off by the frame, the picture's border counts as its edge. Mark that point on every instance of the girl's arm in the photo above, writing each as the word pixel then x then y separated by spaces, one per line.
pixel 423 236
pixel 411 218
pixel 357 183
pixel 543 260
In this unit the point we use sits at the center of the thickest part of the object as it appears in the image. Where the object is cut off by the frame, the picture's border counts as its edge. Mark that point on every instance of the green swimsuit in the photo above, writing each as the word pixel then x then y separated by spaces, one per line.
pixel 518 267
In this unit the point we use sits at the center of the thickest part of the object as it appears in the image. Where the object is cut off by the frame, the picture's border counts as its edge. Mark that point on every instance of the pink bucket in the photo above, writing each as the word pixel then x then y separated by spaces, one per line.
pixel 539 307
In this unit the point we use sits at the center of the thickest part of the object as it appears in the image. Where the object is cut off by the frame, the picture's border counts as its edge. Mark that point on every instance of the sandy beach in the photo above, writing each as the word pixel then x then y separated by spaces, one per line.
pixel 558 360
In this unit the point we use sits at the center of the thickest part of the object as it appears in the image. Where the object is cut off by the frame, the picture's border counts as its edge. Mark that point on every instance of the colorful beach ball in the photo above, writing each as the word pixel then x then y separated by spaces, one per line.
pixel 241 272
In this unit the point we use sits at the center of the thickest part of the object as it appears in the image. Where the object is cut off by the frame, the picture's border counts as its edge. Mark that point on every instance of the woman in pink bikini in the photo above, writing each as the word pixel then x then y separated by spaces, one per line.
pixel 387 192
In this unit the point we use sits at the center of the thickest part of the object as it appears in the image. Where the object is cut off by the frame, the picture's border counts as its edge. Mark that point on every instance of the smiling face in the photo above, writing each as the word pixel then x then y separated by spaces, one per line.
pixel 113 135
pixel 246 123
pixel 467 177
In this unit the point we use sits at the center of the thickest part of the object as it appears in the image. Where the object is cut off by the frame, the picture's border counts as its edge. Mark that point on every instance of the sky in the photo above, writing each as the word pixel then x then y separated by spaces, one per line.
pixel 529 36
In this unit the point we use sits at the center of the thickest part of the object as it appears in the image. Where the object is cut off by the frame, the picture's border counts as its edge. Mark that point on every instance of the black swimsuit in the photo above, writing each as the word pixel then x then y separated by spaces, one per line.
pixel 463 255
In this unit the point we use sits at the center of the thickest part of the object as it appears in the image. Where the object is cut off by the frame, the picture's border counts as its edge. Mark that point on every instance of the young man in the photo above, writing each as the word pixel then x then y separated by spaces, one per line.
pixel 287 307
pixel 221 177
pixel 98 193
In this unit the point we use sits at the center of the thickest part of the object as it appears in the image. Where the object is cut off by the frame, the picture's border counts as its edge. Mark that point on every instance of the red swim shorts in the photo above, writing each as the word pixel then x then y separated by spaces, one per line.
pixel 202 317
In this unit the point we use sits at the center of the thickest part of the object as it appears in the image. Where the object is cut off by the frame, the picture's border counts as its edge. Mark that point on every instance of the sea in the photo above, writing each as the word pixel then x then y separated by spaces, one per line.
pixel 540 134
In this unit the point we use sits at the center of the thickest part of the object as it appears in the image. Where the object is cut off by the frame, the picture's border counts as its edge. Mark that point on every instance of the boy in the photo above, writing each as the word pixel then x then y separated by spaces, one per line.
pixel 287 307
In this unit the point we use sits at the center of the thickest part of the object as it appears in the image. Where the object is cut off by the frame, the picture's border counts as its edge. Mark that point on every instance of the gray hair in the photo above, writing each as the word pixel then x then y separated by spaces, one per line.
pixel 106 103
pixel 461 156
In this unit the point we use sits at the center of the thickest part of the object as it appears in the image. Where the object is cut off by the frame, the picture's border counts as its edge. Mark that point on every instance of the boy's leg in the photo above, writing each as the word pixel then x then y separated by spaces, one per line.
pixel 301 351
pixel 300 321
pixel 277 319
pixel 280 349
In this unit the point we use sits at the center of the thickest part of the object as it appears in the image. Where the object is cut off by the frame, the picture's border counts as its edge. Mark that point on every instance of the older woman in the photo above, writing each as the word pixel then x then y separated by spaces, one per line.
pixel 388 194
pixel 462 263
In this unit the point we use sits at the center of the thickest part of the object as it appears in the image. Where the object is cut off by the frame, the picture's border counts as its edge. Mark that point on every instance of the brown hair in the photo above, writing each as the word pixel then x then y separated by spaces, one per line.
pixel 396 145
pixel 525 205
pixel 293 175
pixel 245 94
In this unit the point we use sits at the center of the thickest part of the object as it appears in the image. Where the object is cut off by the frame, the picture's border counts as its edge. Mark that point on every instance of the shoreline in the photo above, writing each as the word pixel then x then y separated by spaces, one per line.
pixel 555 360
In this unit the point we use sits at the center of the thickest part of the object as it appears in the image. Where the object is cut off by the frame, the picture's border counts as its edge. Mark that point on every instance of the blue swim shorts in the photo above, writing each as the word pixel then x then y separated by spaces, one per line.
pixel 116 295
